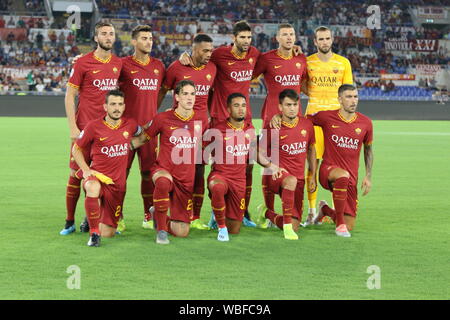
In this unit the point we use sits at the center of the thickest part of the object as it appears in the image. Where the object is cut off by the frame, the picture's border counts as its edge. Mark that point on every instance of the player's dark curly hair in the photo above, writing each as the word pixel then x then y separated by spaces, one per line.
pixel 241 26
pixel 288 93
pixel 115 93
pixel 234 95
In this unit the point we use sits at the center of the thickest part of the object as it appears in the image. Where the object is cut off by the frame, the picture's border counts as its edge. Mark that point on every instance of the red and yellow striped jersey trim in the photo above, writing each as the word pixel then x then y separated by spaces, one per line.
pixel 199 68
pixel 235 128
pixel 141 62
pixel 348 121
pixel 73 85
pixel 182 118
pixel 290 125
pixel 111 126
pixel 101 60
pixel 283 57
pixel 237 56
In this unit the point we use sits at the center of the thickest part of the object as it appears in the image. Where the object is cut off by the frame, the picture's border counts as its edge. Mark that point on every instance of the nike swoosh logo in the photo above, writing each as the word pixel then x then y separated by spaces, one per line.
pixel 103 139
pixel 334 127
pixel 173 128
pixel 282 137
pixel 231 63
pixel 186 77
pixel 276 67
pixel 133 72
pixel 96 71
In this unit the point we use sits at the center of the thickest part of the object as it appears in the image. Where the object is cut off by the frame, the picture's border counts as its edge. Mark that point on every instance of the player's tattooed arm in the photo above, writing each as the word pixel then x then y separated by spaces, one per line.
pixel 312 168
pixel 139 141
pixel 186 59
pixel 162 93
pixel 275 123
pixel 368 160
pixel 304 87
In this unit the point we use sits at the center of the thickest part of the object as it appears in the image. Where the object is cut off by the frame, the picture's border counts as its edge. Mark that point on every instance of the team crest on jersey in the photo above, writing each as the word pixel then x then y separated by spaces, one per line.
pixel 115 70
pixel 126 134
pixel 335 70
pixel 208 77
pixel 298 65
pixel 303 132
pixel 250 60
pixel 358 130
pixel 156 71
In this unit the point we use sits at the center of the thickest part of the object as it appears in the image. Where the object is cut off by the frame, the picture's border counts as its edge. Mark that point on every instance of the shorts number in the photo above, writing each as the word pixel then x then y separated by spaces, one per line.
pixel 118 209
pixel 189 205
pixel 242 207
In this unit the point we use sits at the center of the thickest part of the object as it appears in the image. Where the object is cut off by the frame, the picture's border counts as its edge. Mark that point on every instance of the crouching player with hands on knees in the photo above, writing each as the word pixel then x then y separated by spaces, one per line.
pixel 231 144
pixel 345 131
pixel 173 173
pixel 107 140
pixel 289 147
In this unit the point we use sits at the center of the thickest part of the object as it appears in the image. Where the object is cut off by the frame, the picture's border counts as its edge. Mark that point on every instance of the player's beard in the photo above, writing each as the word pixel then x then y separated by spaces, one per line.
pixel 240 119
pixel 113 117
pixel 104 47
pixel 325 51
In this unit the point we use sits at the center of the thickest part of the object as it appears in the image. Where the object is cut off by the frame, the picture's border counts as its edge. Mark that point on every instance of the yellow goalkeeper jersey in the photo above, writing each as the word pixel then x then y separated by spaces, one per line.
pixel 324 80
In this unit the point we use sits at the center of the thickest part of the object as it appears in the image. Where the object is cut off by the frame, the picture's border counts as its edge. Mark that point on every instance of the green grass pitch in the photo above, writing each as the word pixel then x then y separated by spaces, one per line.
pixel 403 227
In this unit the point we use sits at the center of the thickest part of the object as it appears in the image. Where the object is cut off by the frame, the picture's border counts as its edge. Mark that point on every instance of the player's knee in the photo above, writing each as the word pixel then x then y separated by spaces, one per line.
pixel 290 183
pixel 218 189
pixel 163 184
pixel 92 188
pixel 344 174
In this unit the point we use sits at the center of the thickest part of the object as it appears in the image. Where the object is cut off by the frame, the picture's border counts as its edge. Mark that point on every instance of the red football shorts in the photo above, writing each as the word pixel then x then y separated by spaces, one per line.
pixel 180 199
pixel 234 198
pixel 111 203
pixel 351 205
pixel 275 187
pixel 146 155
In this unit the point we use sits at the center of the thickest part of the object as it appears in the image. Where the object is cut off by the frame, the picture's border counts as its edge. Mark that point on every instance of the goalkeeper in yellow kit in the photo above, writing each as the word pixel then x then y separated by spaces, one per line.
pixel 327 71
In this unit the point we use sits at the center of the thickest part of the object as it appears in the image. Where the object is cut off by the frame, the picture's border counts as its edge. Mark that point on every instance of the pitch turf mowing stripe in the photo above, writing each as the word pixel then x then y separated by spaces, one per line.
pixel 402 228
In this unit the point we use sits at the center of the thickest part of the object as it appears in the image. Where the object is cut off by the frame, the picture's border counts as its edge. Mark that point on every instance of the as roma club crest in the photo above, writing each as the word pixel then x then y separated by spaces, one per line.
pixel 208 77
pixel 126 134
pixel 156 71
pixel 115 70
pixel 303 132
pixel 358 130
pixel 298 65
pixel 335 70
pixel 250 60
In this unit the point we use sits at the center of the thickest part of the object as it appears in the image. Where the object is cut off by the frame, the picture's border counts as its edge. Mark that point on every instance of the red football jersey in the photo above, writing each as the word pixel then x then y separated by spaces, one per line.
pixel 141 83
pixel 203 77
pixel 109 147
pixel 343 139
pixel 230 148
pixel 292 143
pixel 234 74
pixel 93 78
pixel 179 139
pixel 279 74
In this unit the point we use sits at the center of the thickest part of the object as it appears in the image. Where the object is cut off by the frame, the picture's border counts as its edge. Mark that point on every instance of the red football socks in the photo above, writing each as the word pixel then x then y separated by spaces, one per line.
pixel 275 218
pixel 218 192
pixel 269 197
pixel 161 202
pixel 287 199
pixel 72 196
pixel 92 206
pixel 199 191
pixel 147 189
pixel 248 188
pixel 340 198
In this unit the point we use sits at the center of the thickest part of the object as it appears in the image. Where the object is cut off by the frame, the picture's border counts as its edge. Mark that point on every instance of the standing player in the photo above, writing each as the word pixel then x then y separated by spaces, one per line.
pixel 92 76
pixel 327 71
pixel 344 130
pixel 282 70
pixel 174 170
pixel 140 80
pixel 294 144
pixel 202 73
pixel 107 139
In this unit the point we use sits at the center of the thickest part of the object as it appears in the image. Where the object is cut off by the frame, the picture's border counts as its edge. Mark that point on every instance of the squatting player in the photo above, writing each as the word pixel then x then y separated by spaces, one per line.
pixel 202 73
pixel 294 144
pixel 345 131
pixel 107 140
pixel 174 170
pixel 140 80
pixel 91 78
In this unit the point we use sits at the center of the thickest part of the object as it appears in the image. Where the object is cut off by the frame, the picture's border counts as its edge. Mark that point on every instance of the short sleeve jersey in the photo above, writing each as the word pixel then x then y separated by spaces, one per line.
pixel 292 142
pixel 109 146
pixel 234 74
pixel 324 80
pixel 93 78
pixel 343 139
pixel 140 83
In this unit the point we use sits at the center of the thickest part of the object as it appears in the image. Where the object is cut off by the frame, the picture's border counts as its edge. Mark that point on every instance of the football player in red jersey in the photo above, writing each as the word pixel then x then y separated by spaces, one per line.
pixel 92 76
pixel 345 132
pixel 173 173
pixel 107 141
pixel 140 80
pixel 202 73
pixel 292 144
